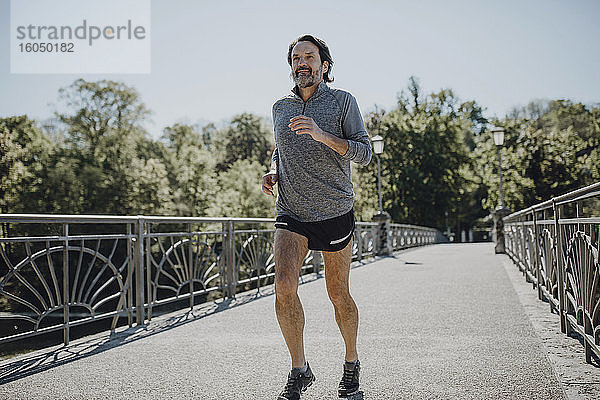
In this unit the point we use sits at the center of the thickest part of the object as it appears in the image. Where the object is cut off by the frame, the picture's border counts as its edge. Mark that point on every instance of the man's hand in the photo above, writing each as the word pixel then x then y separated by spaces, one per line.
pixel 268 181
pixel 302 124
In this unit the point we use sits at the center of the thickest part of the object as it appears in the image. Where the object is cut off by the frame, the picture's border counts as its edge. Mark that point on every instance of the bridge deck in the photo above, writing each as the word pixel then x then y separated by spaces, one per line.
pixel 439 322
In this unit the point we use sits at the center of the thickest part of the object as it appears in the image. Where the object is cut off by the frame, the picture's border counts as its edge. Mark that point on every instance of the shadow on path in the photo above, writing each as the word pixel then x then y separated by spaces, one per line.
pixel 19 367
pixel 42 360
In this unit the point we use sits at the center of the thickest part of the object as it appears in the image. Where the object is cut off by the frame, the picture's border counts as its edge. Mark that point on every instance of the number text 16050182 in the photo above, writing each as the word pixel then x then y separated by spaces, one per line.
pixel 46 47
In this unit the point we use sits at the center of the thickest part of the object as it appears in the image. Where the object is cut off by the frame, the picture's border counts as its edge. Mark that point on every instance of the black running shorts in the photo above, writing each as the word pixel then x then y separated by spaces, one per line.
pixel 328 235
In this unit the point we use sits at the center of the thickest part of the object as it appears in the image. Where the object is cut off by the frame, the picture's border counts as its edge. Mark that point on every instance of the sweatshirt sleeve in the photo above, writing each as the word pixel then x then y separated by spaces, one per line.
pixel 359 145
pixel 275 156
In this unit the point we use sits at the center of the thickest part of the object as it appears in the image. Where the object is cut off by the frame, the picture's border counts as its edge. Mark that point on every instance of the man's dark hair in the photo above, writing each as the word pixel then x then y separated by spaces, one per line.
pixel 324 53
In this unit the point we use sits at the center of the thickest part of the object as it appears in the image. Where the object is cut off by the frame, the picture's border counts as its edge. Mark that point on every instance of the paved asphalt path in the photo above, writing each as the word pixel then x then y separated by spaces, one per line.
pixel 440 322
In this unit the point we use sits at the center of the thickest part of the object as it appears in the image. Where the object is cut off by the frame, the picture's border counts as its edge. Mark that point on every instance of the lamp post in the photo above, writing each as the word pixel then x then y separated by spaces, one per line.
pixel 383 244
pixel 499 141
pixel 501 211
pixel 378 149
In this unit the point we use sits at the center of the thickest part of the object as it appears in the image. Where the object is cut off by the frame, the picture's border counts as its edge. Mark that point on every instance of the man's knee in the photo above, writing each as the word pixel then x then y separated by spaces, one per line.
pixel 339 295
pixel 286 285
pixel 290 249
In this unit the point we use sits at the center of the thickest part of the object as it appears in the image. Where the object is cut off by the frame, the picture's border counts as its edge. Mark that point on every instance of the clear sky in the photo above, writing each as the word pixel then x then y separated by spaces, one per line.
pixel 214 59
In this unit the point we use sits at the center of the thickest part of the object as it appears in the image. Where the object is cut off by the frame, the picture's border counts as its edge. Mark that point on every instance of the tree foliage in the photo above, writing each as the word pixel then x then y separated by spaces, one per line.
pixel 439 167
pixel 246 138
pixel 191 169
pixel 104 162
pixel 238 192
pixel 550 148
pixel 23 161
pixel 426 165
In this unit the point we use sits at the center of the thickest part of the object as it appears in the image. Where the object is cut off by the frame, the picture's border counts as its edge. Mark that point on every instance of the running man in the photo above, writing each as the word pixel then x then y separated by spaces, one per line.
pixel 318 131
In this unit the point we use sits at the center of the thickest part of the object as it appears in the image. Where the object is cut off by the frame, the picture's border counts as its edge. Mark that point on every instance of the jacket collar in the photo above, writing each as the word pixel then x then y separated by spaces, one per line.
pixel 320 89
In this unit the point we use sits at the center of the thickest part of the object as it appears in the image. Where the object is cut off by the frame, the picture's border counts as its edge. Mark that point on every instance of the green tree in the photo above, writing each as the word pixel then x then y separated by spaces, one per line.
pixel 245 138
pixel 550 148
pixel 112 153
pixel 191 167
pixel 12 169
pixel 426 162
pixel 149 191
pixel 24 156
pixel 238 192
pixel 101 109
pixel 365 191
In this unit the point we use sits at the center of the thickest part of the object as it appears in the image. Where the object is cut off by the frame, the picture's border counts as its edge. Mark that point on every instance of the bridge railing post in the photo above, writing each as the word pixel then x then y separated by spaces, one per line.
pixel 359 243
pixel 228 260
pixel 498 215
pixel 560 269
pixel 383 241
pixel 523 255
pixel 130 267
pixel 536 256
pixel 374 240
pixel 65 299
pixel 138 261
pixel 191 265
pixel 316 261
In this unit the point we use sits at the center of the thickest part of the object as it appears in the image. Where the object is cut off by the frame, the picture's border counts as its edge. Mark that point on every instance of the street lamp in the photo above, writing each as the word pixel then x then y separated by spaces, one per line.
pixel 383 219
pixel 500 212
pixel 378 149
pixel 499 141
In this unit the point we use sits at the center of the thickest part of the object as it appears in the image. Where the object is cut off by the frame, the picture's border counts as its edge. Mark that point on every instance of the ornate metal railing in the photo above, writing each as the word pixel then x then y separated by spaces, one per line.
pixel 57 272
pixel 555 244
pixel 404 236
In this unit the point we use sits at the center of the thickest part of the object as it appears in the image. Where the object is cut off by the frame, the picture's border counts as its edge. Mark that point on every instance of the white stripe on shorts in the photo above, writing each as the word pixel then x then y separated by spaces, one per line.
pixel 340 240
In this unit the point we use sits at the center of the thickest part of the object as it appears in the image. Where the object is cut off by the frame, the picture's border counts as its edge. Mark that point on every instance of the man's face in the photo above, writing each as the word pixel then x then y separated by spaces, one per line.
pixel 307 69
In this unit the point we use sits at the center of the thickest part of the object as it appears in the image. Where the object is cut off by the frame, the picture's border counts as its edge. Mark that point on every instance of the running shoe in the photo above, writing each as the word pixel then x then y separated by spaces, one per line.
pixel 296 385
pixel 349 383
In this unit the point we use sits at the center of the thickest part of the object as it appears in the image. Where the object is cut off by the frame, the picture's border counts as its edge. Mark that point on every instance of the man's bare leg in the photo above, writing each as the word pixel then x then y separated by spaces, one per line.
pixel 290 250
pixel 337 276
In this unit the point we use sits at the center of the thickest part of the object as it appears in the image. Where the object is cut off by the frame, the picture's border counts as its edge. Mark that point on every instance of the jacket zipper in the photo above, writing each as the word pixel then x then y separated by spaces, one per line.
pixel 305 102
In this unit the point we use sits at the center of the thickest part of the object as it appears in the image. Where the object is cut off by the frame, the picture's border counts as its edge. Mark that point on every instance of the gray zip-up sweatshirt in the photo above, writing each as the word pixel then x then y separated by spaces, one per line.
pixel 315 182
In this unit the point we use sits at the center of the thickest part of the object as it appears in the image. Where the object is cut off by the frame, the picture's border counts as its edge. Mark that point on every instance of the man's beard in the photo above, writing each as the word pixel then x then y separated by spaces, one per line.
pixel 304 81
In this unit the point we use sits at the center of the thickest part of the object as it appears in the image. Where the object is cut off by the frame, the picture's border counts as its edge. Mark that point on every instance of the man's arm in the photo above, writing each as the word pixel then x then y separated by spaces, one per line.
pixel 270 178
pixel 359 149
pixel 306 125
pixel 356 147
